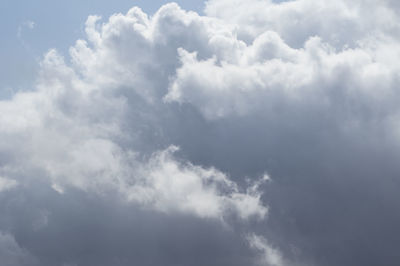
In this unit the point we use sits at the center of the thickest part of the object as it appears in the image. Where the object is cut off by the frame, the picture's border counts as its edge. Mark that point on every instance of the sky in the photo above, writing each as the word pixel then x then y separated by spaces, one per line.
pixel 30 28
pixel 224 132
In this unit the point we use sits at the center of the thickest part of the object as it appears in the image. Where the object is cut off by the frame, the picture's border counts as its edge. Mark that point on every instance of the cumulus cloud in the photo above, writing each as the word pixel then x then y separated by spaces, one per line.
pixel 98 123
pixel 169 185
pixel 73 149
pixel 178 117
pixel 269 74
pixel 76 116
pixel 339 23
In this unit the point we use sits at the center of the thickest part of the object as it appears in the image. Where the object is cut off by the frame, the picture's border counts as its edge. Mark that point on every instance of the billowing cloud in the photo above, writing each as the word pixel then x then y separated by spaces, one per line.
pixel 71 125
pixel 150 143
pixel 339 23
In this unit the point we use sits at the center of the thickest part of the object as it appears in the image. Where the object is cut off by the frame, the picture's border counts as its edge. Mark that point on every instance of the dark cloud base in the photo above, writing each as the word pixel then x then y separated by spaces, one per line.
pixel 89 230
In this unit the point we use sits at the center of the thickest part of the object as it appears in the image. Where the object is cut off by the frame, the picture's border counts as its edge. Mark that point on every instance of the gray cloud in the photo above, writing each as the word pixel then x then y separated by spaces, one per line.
pixel 12 254
pixel 285 115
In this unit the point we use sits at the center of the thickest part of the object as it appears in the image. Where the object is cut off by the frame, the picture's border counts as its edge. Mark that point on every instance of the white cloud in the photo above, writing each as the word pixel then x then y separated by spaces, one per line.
pixel 172 186
pixel 106 119
pixel 71 127
pixel 270 256
pixel 272 73
pixel 338 23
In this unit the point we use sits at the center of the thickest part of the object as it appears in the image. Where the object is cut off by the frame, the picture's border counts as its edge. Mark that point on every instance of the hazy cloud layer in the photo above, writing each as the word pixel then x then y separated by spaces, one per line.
pixel 262 133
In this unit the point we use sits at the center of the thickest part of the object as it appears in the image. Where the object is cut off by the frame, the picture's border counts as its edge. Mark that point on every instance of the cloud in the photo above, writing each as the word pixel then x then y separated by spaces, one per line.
pixel 269 73
pixel 72 148
pixel 12 254
pixel 6 184
pixel 155 130
pixel 269 255
pixel 338 23
pixel 29 25
pixel 86 126
pixel 169 186
pixel 26 24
